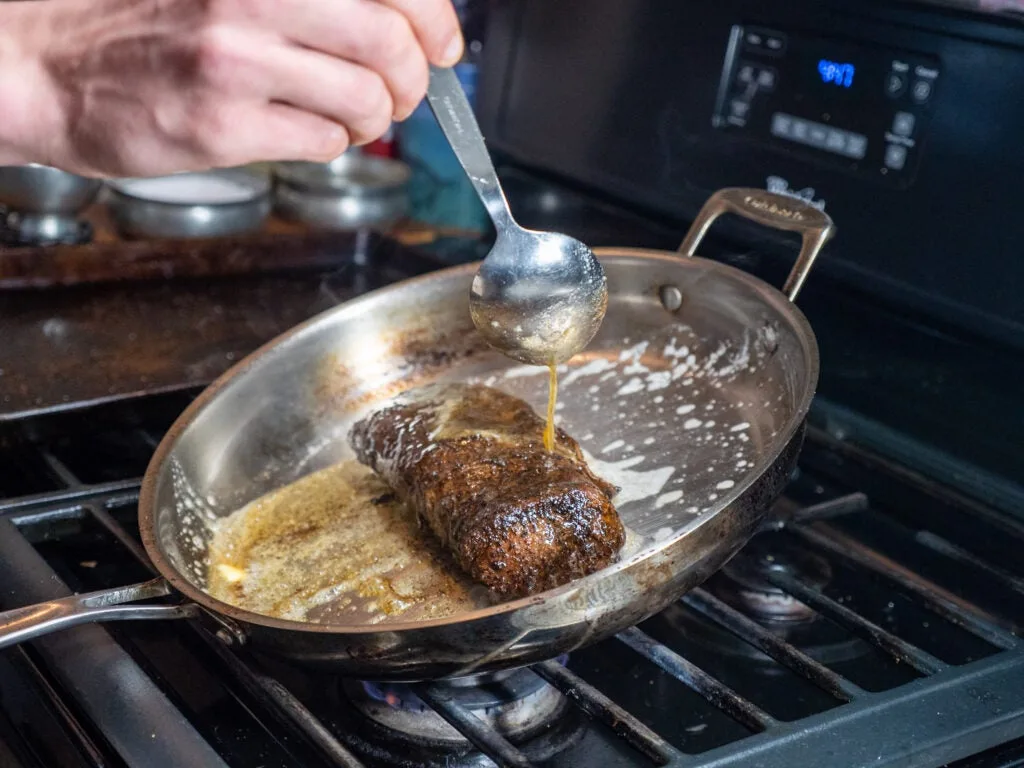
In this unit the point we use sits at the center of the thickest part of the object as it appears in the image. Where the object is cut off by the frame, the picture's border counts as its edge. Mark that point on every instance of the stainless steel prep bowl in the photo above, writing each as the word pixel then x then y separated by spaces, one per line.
pixel 138 213
pixel 354 190
pixel 40 189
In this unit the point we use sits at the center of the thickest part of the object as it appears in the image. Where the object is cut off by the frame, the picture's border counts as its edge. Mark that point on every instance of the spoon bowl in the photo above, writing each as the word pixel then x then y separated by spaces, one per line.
pixel 538 297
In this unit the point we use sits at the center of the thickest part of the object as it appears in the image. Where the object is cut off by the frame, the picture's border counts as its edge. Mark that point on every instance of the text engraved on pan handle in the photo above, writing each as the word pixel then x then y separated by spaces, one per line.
pixel 771 210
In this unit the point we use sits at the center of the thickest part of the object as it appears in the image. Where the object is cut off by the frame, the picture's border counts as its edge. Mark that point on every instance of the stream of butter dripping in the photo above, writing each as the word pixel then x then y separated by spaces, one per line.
pixel 549 427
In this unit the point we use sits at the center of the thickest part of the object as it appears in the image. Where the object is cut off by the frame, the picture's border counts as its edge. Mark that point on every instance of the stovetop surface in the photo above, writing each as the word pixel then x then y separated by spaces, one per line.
pixel 92 344
pixel 915 589
pixel 911 659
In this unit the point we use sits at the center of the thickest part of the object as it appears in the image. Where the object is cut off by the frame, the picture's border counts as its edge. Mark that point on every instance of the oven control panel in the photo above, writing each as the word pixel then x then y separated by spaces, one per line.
pixel 862 108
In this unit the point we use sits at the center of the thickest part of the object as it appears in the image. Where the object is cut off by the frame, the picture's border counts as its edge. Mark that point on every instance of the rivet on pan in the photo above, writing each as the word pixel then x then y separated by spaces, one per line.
pixel 671 297
pixel 769 337
pixel 225 637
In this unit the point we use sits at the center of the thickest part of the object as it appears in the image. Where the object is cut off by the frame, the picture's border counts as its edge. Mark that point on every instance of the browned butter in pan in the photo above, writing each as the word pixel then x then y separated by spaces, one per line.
pixel 336 547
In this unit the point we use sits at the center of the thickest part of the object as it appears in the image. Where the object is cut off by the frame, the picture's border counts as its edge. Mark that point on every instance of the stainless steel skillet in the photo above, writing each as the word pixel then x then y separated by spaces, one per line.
pixel 692 399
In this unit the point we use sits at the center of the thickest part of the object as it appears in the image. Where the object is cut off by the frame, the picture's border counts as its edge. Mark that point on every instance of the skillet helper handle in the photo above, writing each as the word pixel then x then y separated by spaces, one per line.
pixel 30 621
pixel 771 210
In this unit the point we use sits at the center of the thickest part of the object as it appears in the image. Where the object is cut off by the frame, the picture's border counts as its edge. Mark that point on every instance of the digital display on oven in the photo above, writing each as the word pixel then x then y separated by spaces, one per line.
pixel 833 82
pixel 857 105
pixel 837 73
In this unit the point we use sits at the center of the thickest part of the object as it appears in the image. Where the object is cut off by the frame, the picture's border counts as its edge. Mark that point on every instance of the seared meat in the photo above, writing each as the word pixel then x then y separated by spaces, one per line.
pixel 470 461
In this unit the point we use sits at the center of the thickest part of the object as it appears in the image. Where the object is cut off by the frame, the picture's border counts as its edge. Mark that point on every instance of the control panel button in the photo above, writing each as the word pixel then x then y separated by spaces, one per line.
pixel 765 41
pixel 746 74
pixel 824 137
pixel 766 79
pixel 739 108
pixel 895 84
pixel 856 146
pixel 895 156
pixel 836 141
pixel 782 125
pixel 921 91
pixel 903 124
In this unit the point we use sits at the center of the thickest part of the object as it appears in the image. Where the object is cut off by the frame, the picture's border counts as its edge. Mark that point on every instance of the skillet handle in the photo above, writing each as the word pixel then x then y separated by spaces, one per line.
pixel 772 210
pixel 27 622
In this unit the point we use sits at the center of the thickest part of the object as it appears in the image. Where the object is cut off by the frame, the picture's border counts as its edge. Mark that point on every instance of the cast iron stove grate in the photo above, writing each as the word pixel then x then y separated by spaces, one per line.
pixel 875 621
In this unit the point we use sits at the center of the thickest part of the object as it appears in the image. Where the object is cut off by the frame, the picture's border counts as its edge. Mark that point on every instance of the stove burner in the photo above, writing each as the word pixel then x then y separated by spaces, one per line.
pixel 516 707
pixel 743 584
pixel 747 588
pixel 31 229
pixel 405 730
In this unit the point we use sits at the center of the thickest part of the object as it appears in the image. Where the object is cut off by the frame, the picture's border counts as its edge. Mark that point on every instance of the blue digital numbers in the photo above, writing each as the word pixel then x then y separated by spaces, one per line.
pixel 836 73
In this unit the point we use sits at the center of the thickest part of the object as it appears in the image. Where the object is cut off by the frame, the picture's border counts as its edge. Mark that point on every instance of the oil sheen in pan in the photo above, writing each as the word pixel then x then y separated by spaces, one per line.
pixel 336 547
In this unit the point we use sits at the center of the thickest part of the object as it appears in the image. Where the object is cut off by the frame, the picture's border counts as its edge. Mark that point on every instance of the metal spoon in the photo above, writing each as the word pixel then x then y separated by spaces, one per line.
pixel 539 297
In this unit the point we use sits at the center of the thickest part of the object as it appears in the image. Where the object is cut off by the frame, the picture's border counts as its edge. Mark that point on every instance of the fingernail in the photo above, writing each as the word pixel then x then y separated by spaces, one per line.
pixel 336 141
pixel 453 52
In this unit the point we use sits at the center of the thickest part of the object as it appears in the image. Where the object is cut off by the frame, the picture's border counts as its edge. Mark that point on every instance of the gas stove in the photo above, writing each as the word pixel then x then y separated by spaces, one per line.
pixel 874 620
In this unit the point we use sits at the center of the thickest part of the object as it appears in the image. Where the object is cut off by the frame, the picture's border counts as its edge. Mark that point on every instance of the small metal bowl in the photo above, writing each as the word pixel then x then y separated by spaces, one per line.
pixel 40 189
pixel 352 191
pixel 214 203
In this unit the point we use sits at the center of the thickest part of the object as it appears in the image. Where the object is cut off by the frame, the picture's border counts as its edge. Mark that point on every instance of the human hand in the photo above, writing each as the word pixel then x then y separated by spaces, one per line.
pixel 147 87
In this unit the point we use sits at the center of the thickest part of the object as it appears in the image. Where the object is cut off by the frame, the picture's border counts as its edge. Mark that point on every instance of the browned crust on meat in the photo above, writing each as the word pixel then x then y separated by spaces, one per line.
pixel 470 461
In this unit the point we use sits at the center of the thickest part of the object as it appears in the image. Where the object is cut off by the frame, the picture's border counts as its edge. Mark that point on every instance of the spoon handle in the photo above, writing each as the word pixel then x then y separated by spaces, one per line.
pixel 455 116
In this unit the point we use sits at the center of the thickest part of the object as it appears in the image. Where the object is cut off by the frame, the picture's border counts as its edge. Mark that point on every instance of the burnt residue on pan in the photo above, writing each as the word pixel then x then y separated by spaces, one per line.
pixel 418 355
